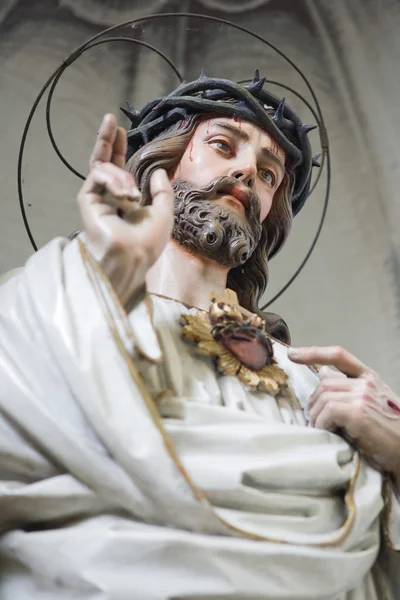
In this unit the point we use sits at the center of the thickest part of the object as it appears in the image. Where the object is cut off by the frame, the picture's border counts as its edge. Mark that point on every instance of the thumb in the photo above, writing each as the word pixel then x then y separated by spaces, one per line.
pixel 161 191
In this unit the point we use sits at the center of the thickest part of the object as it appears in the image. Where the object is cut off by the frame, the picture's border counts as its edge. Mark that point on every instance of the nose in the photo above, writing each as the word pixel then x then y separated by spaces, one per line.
pixel 246 174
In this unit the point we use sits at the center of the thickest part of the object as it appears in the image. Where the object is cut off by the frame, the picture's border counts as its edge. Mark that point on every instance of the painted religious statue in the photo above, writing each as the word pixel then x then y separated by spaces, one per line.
pixel 158 438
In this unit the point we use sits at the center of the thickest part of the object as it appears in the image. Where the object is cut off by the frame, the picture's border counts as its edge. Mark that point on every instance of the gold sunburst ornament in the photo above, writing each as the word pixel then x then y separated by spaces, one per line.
pixel 238 341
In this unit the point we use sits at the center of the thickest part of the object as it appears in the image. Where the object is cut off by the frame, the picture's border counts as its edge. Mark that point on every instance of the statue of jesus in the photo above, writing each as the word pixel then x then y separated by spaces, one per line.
pixel 159 439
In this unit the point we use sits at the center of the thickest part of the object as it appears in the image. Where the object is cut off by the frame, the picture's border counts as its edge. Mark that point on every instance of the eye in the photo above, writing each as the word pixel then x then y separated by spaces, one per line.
pixel 268 176
pixel 222 146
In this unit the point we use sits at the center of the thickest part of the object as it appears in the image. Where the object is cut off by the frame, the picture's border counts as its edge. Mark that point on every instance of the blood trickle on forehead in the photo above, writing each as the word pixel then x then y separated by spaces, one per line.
pixel 191 151
pixel 274 147
pixel 237 120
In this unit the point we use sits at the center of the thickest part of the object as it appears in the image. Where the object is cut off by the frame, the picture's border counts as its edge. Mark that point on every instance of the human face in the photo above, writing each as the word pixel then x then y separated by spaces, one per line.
pixel 230 147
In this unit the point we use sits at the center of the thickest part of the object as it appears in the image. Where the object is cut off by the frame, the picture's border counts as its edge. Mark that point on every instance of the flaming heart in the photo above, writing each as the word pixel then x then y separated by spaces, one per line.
pixel 249 345
pixel 238 341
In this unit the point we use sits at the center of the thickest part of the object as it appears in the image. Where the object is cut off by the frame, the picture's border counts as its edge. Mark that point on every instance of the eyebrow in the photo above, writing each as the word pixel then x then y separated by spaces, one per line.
pixel 240 133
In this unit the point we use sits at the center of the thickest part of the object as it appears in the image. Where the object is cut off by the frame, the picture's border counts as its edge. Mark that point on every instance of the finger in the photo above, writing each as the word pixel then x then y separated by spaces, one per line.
pixel 335 415
pixel 124 177
pixel 100 181
pixel 327 372
pixel 331 355
pixel 123 181
pixel 119 148
pixel 161 191
pixel 103 148
pixel 335 385
pixel 333 410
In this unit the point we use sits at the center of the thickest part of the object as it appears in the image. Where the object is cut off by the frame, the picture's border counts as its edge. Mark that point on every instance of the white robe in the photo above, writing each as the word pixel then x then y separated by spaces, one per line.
pixel 130 469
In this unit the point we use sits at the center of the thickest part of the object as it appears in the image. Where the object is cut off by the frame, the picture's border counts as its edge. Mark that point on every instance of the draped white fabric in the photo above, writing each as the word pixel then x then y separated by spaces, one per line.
pixel 229 495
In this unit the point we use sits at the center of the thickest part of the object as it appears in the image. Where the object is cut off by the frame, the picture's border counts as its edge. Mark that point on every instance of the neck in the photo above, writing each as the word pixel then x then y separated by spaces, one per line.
pixel 186 277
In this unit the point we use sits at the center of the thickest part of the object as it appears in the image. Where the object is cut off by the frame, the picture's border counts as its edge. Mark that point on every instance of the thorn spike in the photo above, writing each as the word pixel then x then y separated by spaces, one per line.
pixel 127 113
pixel 256 86
pixel 305 130
pixel 315 159
pixel 202 75
pixel 256 76
pixel 131 113
pixel 131 108
pixel 278 116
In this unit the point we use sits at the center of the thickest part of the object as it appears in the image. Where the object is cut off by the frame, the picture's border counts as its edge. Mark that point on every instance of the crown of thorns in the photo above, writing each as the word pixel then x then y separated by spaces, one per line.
pixel 251 103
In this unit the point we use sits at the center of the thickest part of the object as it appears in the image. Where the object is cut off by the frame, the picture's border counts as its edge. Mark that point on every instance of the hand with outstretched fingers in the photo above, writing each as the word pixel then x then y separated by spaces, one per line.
pixel 124 237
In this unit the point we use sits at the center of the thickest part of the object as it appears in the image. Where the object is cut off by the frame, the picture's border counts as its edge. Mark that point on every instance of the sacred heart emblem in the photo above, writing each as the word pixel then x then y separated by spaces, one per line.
pixel 251 347
pixel 238 341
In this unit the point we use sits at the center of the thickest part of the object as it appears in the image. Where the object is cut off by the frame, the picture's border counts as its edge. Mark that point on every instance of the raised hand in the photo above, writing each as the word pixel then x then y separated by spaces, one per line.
pixel 124 237
pixel 357 401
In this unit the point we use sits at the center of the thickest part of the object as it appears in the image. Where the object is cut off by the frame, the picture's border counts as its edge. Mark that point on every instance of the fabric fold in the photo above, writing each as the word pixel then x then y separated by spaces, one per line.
pixel 229 495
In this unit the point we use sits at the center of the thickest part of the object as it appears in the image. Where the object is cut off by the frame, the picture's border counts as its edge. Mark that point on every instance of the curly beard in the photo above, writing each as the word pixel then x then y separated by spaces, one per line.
pixel 215 232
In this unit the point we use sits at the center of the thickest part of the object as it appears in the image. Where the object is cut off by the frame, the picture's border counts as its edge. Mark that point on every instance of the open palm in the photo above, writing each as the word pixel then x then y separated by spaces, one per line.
pixel 124 237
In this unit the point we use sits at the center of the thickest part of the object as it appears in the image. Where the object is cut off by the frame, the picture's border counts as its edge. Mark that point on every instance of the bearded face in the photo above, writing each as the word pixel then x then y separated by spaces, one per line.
pixel 225 185
pixel 206 225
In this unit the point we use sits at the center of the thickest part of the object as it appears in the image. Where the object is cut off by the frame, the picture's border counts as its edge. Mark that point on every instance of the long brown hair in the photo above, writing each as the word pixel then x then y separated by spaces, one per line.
pixel 249 281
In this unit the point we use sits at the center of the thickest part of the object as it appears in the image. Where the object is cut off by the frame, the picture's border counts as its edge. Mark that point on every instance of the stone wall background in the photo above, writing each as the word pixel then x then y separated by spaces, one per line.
pixel 349 293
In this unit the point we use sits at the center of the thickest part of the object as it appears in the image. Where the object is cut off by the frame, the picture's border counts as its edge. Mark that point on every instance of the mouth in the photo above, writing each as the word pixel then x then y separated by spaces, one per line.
pixel 237 194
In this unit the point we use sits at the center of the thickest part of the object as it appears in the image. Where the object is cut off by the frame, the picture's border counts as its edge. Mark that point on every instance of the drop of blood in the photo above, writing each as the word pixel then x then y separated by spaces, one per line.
pixel 191 151
pixel 393 407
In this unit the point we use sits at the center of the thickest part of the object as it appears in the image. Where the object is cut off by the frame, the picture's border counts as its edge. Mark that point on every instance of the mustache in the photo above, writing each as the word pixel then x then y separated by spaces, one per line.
pixel 205 227
pixel 219 186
